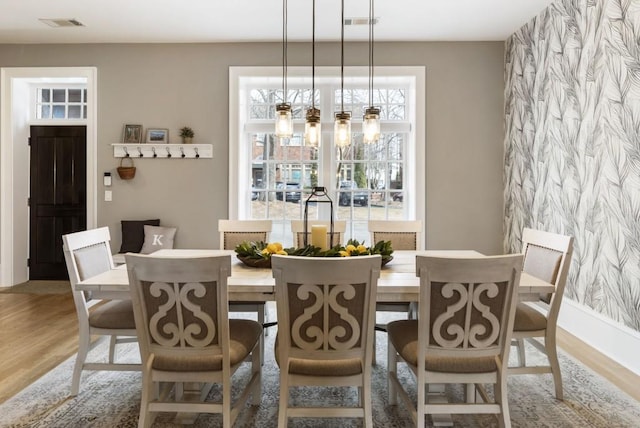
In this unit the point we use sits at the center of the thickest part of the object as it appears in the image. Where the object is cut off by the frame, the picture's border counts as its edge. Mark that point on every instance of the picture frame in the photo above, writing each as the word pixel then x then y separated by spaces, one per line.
pixel 132 134
pixel 157 136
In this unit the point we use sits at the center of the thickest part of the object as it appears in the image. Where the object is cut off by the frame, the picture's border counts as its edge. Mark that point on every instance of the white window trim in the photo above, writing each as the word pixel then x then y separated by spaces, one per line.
pixel 239 165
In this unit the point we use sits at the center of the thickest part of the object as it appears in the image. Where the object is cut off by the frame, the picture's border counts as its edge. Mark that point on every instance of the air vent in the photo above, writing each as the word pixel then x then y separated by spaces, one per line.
pixel 62 22
pixel 360 21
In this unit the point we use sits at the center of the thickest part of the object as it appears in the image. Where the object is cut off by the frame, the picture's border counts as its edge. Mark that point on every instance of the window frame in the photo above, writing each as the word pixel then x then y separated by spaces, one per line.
pixel 241 80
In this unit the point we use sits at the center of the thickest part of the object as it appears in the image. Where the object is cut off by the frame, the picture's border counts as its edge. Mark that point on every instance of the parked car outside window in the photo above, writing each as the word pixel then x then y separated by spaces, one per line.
pixel 292 191
pixel 352 192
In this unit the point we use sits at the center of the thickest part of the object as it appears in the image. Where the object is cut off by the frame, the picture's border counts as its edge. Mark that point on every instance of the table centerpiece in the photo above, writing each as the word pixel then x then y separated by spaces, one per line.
pixel 258 254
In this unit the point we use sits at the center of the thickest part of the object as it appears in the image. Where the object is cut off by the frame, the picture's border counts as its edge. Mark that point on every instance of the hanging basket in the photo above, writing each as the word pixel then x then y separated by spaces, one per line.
pixel 126 172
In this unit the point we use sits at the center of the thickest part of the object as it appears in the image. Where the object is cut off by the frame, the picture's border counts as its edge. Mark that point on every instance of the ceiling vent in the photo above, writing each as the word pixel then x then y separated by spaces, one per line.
pixel 62 22
pixel 360 21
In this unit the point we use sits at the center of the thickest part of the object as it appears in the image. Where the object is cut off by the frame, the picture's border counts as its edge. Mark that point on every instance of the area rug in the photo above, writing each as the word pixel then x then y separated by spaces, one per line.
pixel 111 399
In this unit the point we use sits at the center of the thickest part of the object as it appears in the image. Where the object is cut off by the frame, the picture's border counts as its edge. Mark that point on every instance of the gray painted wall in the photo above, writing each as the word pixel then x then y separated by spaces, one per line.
pixel 172 85
pixel 573 145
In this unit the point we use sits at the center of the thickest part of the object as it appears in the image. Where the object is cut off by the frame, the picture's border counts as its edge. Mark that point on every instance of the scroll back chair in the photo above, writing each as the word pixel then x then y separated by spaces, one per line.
pixel 548 257
pixel 326 318
pixel 185 335
pixel 462 334
pixel 88 253
pixel 297 229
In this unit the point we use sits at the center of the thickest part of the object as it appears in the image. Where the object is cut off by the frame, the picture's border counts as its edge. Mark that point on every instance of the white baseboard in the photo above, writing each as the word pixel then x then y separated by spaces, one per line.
pixel 615 340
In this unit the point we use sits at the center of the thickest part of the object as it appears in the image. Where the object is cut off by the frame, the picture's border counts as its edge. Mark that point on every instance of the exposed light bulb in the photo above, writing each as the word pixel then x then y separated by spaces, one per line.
pixel 284 121
pixel 371 125
pixel 312 128
pixel 342 129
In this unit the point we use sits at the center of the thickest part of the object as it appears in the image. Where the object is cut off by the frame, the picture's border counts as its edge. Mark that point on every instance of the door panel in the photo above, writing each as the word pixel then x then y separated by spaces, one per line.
pixel 58 196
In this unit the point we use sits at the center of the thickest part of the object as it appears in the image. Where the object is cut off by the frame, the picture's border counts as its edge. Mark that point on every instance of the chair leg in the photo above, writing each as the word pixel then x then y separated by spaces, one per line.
pixel 392 367
pixel 84 343
pixel 284 399
pixel 504 419
pixel 552 355
pixel 112 348
pixel 365 402
pixel 261 321
pixel 144 421
pixel 256 368
pixel 522 361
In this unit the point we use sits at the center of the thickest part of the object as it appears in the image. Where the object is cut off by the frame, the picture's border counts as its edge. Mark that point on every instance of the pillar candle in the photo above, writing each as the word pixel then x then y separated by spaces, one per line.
pixel 319 236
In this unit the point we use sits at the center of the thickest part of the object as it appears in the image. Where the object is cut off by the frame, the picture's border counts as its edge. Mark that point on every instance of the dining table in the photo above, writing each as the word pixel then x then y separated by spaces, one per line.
pixel 397 283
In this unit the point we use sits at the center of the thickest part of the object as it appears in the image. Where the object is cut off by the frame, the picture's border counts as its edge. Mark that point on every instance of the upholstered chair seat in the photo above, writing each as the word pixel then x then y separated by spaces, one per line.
pixel 303 366
pixel 116 314
pixel 528 319
pixel 243 334
pixel 403 334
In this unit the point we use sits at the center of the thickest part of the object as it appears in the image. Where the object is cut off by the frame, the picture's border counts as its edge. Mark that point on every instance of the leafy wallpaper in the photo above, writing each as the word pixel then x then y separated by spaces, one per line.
pixel 572 145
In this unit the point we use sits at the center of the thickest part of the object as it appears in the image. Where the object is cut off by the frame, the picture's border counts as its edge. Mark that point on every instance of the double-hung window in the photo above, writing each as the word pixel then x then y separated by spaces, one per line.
pixel 271 178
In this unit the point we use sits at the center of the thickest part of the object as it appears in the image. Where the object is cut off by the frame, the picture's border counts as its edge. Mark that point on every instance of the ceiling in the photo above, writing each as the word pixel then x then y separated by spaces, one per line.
pixel 186 21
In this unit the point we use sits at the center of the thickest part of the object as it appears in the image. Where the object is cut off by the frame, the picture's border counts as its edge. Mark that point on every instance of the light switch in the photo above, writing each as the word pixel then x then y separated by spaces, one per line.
pixel 108 197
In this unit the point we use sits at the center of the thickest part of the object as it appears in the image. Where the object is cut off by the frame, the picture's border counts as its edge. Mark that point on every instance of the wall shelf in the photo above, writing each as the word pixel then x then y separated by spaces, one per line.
pixel 163 151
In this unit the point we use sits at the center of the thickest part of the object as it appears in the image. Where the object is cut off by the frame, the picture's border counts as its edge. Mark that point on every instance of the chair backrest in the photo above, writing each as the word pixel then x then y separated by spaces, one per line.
pixel 467 306
pixel 548 257
pixel 403 234
pixel 297 229
pixel 86 253
pixel 326 307
pixel 180 305
pixel 234 232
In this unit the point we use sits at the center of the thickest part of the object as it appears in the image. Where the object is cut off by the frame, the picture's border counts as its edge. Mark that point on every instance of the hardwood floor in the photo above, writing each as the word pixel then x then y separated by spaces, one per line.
pixel 39 331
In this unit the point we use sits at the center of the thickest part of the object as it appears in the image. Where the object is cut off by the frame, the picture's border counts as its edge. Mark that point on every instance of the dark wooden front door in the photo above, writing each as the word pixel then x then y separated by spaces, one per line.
pixel 58 195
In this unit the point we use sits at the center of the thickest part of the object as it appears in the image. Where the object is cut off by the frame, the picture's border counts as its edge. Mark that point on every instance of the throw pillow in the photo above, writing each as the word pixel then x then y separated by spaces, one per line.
pixel 133 234
pixel 157 238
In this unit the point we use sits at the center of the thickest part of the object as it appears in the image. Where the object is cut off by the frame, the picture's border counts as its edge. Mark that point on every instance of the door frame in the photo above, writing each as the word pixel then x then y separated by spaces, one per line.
pixel 15 120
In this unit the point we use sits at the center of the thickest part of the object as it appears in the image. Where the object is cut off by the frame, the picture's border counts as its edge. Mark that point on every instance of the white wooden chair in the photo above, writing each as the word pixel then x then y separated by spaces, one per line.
pixel 186 336
pixel 87 254
pixel 462 334
pixel 404 235
pixel 326 317
pixel 233 233
pixel 548 257
pixel 297 229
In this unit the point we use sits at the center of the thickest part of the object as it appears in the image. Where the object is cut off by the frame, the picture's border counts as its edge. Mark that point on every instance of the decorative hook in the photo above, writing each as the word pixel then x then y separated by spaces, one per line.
pixel 126 152
pixel 140 152
pixel 168 152
pixel 182 151
pixel 196 150
pixel 153 149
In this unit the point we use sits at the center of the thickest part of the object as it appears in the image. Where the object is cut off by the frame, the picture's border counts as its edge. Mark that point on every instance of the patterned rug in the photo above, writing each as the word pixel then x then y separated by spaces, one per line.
pixel 111 399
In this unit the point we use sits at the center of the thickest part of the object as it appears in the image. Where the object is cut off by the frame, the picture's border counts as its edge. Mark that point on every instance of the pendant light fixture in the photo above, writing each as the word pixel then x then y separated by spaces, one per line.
pixel 371 119
pixel 342 125
pixel 284 119
pixel 312 128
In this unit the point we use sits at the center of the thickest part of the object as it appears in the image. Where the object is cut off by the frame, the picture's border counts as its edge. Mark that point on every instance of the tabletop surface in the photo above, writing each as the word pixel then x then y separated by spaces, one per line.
pixel 398 281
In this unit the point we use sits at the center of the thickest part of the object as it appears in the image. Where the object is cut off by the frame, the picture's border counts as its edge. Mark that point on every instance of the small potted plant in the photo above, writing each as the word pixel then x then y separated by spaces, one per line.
pixel 187 135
